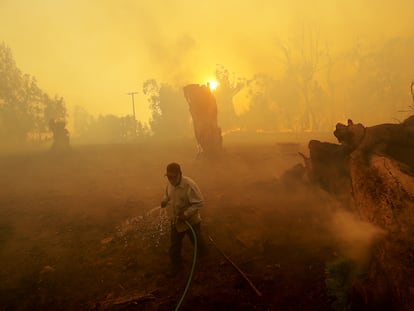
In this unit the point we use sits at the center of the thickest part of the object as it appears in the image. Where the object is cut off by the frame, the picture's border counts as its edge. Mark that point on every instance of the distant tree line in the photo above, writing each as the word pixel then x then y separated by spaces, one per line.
pixel 170 119
pixel 314 90
pixel 107 128
pixel 25 110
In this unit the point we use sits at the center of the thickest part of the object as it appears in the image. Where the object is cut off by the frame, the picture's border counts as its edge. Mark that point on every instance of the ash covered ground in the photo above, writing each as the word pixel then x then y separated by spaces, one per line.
pixel 75 233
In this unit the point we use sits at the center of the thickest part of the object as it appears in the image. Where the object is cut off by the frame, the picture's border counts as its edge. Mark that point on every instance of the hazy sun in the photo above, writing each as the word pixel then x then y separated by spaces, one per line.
pixel 212 84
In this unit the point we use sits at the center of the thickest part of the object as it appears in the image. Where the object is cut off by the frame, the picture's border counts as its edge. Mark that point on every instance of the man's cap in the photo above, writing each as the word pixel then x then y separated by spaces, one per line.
pixel 173 168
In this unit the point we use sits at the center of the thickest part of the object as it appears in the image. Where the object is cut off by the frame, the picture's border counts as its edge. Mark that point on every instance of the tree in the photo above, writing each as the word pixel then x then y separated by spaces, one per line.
pixel 381 81
pixel 82 122
pixel 302 64
pixel 106 128
pixel 170 117
pixel 25 110
pixel 263 112
pixel 228 87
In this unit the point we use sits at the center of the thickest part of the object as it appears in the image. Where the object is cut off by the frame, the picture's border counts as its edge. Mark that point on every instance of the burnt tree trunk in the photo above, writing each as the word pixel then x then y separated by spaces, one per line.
pixel 378 161
pixel 329 166
pixel 203 109
pixel 383 193
pixel 60 135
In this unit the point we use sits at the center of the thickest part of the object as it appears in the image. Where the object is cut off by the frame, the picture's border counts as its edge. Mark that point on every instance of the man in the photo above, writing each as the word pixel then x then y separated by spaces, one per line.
pixel 183 200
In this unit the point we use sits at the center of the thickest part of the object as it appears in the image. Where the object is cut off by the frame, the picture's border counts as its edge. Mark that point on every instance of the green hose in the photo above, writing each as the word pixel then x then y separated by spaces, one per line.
pixel 192 267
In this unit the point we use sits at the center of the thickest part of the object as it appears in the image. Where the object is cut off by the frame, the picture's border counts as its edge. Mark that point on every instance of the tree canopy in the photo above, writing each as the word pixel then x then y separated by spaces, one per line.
pixel 25 110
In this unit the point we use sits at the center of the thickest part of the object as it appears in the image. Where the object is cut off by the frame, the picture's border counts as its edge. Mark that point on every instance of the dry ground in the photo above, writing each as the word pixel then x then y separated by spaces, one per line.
pixel 74 235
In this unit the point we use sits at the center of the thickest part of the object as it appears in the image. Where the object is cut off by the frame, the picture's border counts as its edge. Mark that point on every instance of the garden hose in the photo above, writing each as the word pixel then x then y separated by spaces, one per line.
pixel 192 267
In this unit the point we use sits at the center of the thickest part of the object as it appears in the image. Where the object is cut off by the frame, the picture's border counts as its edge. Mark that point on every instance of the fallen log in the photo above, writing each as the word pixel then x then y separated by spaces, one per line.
pixel 376 164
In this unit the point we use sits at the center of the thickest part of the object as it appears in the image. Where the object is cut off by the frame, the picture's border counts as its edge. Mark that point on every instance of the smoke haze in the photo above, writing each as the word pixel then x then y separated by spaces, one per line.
pixel 92 53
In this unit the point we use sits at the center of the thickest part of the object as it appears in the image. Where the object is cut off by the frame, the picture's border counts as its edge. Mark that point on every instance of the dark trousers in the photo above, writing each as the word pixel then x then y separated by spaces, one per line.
pixel 177 241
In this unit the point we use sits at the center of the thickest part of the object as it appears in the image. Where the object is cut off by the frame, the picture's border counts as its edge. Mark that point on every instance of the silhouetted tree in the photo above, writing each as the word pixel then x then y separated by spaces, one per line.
pixel 82 122
pixel 60 135
pixel 24 108
pixel 106 128
pixel 170 116
pixel 302 63
pixel 263 112
pixel 228 87
pixel 112 129
pixel 381 80
pixel 203 109
pixel 289 103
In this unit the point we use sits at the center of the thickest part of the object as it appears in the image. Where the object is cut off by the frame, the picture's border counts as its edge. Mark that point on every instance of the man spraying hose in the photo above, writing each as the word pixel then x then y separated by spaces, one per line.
pixel 183 200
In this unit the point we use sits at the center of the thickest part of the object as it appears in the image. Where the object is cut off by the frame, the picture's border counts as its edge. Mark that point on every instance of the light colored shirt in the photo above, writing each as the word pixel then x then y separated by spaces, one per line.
pixel 185 198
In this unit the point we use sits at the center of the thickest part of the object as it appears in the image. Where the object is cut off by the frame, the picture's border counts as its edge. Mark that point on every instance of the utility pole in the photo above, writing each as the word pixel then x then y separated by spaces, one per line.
pixel 133 111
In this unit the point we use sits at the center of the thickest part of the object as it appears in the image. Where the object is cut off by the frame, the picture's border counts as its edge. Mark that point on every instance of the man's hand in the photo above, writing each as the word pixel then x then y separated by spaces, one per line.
pixel 182 217
pixel 163 204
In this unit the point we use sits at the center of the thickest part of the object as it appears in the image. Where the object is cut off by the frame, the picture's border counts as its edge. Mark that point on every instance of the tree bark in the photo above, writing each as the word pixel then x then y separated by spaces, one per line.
pixel 203 109
pixel 378 161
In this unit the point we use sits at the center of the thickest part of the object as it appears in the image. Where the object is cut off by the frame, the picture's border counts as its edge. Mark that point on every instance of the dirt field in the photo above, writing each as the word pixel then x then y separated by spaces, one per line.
pixel 74 234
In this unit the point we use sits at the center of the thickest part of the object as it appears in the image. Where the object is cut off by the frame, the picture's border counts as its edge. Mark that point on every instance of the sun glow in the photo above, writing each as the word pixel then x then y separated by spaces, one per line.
pixel 212 84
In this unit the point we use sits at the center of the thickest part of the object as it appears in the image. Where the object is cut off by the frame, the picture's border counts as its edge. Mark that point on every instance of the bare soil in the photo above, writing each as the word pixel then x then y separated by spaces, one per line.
pixel 75 234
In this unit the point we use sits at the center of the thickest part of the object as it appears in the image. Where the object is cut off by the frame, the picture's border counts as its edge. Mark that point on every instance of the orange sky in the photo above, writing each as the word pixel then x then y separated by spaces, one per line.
pixel 93 52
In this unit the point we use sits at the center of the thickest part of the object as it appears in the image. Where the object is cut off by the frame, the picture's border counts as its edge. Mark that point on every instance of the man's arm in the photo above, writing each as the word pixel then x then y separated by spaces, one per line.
pixel 166 198
pixel 196 200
